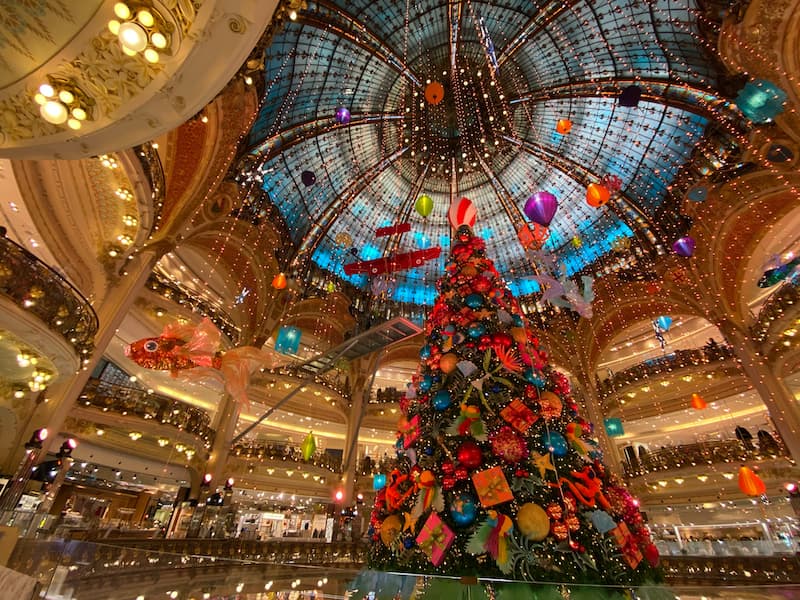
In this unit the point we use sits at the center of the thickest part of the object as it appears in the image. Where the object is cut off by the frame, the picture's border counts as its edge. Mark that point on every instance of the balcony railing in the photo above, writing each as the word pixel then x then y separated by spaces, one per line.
pixel 38 289
pixel 679 359
pixel 705 453
pixel 286 453
pixel 775 307
pixel 128 401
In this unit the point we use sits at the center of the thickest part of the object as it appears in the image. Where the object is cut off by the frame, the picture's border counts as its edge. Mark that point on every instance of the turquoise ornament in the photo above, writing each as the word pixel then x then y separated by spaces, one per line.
pixel 555 443
pixel 474 301
pixel 464 509
pixel 442 399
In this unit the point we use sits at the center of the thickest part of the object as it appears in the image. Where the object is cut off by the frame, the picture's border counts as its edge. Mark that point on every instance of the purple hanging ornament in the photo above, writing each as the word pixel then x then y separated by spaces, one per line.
pixel 308 178
pixel 342 115
pixel 684 246
pixel 541 208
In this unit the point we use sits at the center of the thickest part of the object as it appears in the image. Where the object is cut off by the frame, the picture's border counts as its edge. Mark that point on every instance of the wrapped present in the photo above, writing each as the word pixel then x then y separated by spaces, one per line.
pixel 627 543
pixel 410 430
pixel 492 487
pixel 519 416
pixel 435 538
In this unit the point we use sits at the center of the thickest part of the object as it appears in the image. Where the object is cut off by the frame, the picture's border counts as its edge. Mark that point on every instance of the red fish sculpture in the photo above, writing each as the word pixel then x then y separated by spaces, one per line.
pixel 183 348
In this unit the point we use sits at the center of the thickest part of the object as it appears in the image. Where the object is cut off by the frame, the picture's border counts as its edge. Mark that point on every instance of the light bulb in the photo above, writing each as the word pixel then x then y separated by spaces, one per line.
pixel 145 17
pixel 73 124
pixel 151 55
pixel 132 37
pixel 66 97
pixel 47 90
pixel 79 113
pixel 113 26
pixel 159 40
pixel 122 11
pixel 53 112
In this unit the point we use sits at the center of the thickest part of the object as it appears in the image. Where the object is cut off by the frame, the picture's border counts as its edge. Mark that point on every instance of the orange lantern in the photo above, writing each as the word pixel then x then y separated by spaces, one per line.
pixel 597 195
pixel 434 92
pixel 279 281
pixel 533 236
pixel 750 483
pixel 563 126
pixel 697 402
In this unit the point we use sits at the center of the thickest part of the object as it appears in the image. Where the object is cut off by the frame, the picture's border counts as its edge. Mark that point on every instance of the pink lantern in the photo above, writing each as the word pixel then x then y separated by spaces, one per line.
pixel 541 208
pixel 684 246
pixel 462 212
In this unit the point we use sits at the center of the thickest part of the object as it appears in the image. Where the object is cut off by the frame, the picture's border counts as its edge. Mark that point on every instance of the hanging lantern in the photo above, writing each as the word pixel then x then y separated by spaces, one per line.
pixel 279 281
pixel 308 447
pixel 750 483
pixel 614 426
pixel 563 126
pixel 697 402
pixel 434 92
pixel 541 208
pixel 597 195
pixel 684 246
pixel 630 96
pixel 424 205
pixel 308 178
pixel 664 322
pixel 532 236
pixel 462 212
pixel 342 115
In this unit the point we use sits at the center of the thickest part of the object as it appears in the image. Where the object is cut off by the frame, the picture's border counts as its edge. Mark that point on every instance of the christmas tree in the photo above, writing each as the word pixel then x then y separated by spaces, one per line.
pixel 496 475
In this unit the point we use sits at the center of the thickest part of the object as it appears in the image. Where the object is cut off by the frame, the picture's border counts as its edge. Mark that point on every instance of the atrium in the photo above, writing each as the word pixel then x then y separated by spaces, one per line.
pixel 279 185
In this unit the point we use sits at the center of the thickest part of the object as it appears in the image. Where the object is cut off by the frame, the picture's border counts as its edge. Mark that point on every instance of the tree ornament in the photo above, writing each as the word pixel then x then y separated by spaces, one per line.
pixel 533 522
pixel 474 301
pixel 464 509
pixel 750 483
pixel 308 447
pixel 469 455
pixel 508 445
pixel 391 527
pixel 442 400
pixel 448 363
pixel 555 443
pixel 550 405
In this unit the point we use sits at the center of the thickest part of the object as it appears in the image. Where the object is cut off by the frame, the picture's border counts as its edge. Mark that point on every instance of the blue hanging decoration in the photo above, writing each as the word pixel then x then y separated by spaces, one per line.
pixel 613 427
pixel 288 340
pixel 664 322
pixel 760 100
pixel 378 481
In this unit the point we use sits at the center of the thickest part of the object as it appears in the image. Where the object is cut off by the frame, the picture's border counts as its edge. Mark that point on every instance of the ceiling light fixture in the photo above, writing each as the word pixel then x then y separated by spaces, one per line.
pixel 141 29
pixel 62 102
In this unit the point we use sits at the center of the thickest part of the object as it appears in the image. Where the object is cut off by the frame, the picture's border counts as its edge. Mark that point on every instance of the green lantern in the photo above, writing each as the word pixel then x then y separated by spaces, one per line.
pixel 308 447
pixel 424 205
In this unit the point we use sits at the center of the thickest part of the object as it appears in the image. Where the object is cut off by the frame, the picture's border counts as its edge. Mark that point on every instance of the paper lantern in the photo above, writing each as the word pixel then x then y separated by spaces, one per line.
pixel 434 92
pixel 308 447
pixel 378 481
pixel 288 340
pixel 760 100
pixel 462 212
pixel 308 178
pixel 630 96
pixel 342 115
pixel 424 205
pixel 750 483
pixel 613 426
pixel 541 208
pixel 697 402
pixel 563 126
pixel 279 281
pixel 597 195
pixel 664 322
pixel 684 246
pixel 343 239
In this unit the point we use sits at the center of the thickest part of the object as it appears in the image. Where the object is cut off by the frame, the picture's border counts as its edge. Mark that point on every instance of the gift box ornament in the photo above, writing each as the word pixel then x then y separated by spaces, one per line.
pixel 410 431
pixel 627 543
pixel 492 487
pixel 519 416
pixel 435 539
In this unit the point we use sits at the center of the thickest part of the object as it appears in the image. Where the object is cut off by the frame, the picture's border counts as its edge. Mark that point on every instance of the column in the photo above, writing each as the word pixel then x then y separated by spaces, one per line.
pixel 224 426
pixel 778 399
pixel 612 457
pixel 65 391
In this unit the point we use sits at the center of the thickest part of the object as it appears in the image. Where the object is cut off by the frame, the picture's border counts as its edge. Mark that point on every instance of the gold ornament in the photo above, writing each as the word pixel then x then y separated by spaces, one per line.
pixel 390 529
pixel 533 522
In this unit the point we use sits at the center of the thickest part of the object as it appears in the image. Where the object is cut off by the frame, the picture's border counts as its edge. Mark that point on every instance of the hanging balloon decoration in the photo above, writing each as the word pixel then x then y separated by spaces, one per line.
pixel 630 96
pixel 462 212
pixel 664 322
pixel 541 207
pixel 308 178
pixel 563 126
pixel 343 239
pixel 597 195
pixel 279 282
pixel 342 115
pixel 434 92
pixel 698 403
pixel 308 447
pixel 750 483
pixel 424 205
pixel 684 246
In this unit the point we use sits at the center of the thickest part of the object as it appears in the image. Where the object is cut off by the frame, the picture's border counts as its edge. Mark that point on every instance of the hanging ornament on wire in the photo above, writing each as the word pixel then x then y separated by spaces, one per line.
pixel 541 207
pixel 342 115
pixel 563 126
pixel 684 246
pixel 308 447
pixel 434 92
pixel 750 483
pixel 424 205
pixel 698 403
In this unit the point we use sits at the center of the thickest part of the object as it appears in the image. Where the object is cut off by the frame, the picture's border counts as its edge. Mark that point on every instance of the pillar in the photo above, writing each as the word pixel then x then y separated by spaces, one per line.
pixel 224 425
pixel 778 399
pixel 612 458
pixel 61 396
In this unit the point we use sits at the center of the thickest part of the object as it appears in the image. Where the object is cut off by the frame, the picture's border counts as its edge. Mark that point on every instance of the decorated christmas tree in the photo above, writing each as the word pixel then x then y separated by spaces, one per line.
pixel 496 475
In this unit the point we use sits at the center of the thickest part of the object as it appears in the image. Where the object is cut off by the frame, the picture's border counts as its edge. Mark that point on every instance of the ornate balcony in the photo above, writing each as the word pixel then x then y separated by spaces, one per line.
pixel 285 453
pixel 129 401
pixel 783 303
pixel 38 289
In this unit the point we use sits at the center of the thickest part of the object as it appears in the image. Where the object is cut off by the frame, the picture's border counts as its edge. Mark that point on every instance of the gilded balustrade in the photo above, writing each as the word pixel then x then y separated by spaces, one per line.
pixel 285 453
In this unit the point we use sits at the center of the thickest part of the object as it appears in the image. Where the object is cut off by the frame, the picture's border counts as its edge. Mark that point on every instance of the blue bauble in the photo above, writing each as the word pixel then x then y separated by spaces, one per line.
pixel 474 300
pixel 533 377
pixel 517 320
pixel 408 543
pixel 464 509
pixel 555 443
pixel 442 399
pixel 476 330
pixel 425 383
pixel 428 451
pixel 425 352
pixel 449 330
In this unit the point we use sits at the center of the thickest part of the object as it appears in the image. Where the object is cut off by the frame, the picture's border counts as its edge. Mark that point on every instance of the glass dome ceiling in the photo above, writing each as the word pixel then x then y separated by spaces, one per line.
pixel 510 70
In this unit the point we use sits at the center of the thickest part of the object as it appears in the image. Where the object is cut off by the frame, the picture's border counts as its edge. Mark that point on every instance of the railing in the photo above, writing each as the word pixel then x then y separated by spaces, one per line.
pixel 705 453
pixel 679 359
pixel 128 401
pixel 727 570
pixel 774 308
pixel 333 380
pixel 280 452
pixel 38 289
pixel 154 171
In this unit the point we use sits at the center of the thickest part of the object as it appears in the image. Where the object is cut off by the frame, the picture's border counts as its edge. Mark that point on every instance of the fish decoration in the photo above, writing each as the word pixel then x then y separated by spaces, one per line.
pixel 786 271
pixel 195 352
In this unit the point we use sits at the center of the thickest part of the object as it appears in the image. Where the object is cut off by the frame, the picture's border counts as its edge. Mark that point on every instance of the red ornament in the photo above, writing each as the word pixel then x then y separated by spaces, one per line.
pixel 481 284
pixel 469 455
pixel 448 467
pixel 559 530
pixel 508 445
pixel 448 482
pixel 651 554
pixel 554 511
